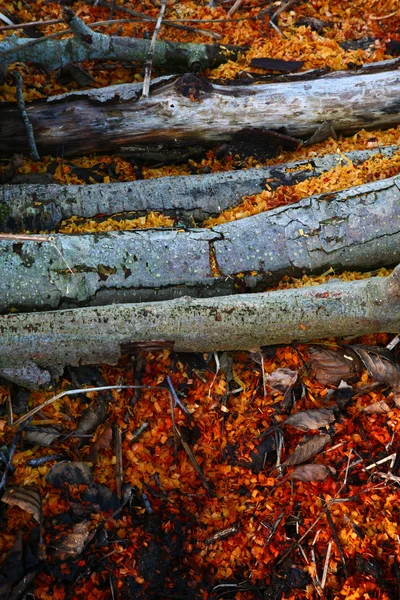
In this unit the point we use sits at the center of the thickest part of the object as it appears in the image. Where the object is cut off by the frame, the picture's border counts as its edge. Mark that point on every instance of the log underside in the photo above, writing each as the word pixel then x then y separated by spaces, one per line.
pixel 40 207
pixel 101 335
pixel 357 228
pixel 106 120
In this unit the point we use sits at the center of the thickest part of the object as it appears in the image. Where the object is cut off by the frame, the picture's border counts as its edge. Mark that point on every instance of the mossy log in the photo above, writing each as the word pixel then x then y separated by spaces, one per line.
pixel 358 229
pixel 41 207
pixel 102 334
pixel 190 111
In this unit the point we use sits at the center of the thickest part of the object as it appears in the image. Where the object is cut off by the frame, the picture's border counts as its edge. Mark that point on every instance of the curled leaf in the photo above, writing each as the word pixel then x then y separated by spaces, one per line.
pixel 103 441
pixel 74 473
pixel 27 498
pixel 306 450
pixel 281 379
pixel 381 365
pixel 333 366
pixel 310 419
pixel 311 472
pixel 41 436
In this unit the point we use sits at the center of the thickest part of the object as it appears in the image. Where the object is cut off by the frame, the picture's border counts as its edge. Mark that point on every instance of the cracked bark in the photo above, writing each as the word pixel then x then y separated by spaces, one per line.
pixel 100 335
pixel 114 118
pixel 356 229
pixel 41 207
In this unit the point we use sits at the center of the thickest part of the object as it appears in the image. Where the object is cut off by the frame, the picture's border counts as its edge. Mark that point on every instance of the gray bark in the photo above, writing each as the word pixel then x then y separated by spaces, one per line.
pixel 357 229
pixel 90 45
pixel 85 122
pixel 100 335
pixel 40 207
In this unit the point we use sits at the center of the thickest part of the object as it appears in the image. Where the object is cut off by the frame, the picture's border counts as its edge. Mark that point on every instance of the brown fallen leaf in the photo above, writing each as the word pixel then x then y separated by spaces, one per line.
pixel 280 379
pixel 306 450
pixel 380 364
pixel 333 366
pixel 41 436
pixel 73 542
pixel 311 472
pixel 27 498
pixel 103 441
pixel 377 408
pixel 310 419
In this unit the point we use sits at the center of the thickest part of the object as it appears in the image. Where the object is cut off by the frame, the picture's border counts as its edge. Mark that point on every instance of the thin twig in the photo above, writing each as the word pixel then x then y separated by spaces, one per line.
pixel 336 538
pixel 118 456
pixel 10 417
pixel 194 462
pixel 28 125
pixel 235 7
pixel 31 24
pixel 177 400
pixel 23 237
pixel 79 391
pixel 148 64
pixel 325 572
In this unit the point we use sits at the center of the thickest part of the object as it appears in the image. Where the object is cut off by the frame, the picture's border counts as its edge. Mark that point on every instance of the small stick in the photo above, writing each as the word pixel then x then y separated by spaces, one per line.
pixel 13 447
pixel 79 391
pixel 235 7
pixel 149 59
pixel 28 125
pixel 22 237
pixel 177 400
pixel 138 432
pixel 380 462
pixel 325 572
pixel 194 462
pixel 10 417
pixel 336 538
pixel 393 343
pixel 31 24
pixel 263 375
pixel 118 454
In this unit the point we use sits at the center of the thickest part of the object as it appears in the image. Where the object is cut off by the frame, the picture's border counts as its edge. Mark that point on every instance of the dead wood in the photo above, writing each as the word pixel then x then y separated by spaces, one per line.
pixel 192 111
pixel 40 207
pixel 86 44
pixel 102 334
pixel 358 228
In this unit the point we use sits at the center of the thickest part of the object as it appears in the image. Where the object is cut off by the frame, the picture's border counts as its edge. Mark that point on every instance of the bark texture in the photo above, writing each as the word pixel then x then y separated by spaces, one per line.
pixel 358 229
pixel 191 111
pixel 40 207
pixel 90 45
pixel 100 335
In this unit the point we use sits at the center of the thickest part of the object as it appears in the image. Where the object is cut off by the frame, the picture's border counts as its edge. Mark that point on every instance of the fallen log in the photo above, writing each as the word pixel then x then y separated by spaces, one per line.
pixel 87 44
pixel 358 228
pixel 101 335
pixel 41 207
pixel 191 111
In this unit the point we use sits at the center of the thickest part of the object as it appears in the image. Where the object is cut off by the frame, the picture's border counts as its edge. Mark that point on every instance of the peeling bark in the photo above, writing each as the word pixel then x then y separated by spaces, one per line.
pixel 40 207
pixel 357 229
pixel 193 112
pixel 100 335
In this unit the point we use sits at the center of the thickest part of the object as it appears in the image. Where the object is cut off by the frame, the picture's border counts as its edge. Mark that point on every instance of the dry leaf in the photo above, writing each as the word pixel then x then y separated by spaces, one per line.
pixel 381 365
pixel 74 473
pixel 311 473
pixel 103 441
pixel 73 542
pixel 333 366
pixel 28 498
pixel 377 408
pixel 41 436
pixel 277 64
pixel 281 379
pixel 305 451
pixel 310 419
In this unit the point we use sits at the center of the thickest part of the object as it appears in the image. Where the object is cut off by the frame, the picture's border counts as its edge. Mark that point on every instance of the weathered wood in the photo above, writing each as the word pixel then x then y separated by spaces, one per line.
pixel 112 118
pixel 87 44
pixel 40 207
pixel 358 228
pixel 100 335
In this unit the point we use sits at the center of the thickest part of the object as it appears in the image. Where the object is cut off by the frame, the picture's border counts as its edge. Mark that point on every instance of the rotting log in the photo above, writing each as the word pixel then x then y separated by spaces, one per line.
pixel 41 207
pixel 102 334
pixel 87 44
pixel 357 229
pixel 191 111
